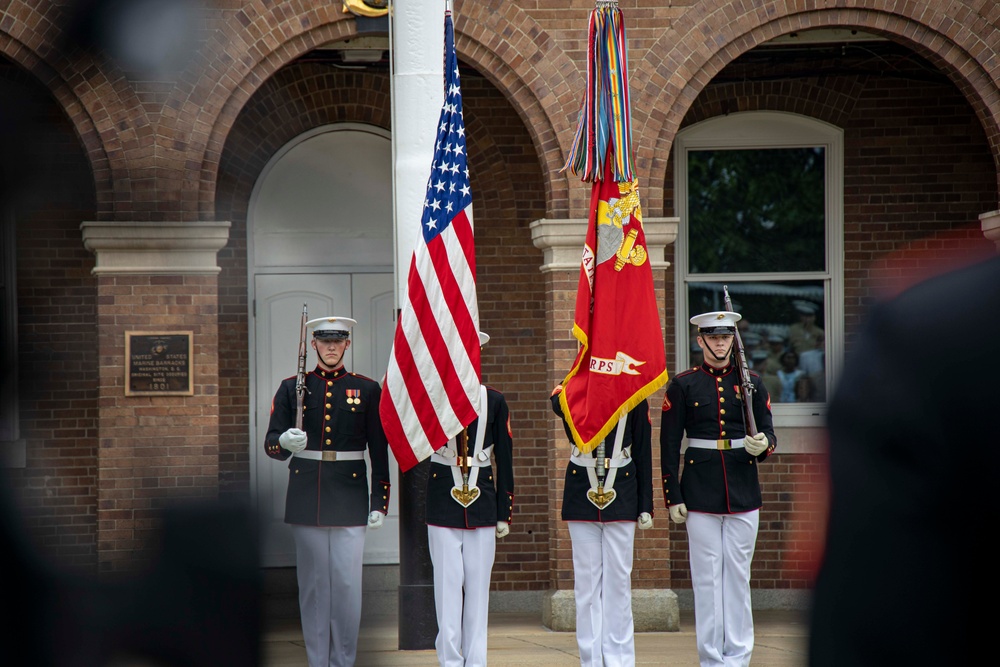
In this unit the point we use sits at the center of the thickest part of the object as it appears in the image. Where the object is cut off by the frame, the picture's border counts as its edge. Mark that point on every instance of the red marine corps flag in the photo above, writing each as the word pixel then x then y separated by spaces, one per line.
pixel 621 360
pixel 432 383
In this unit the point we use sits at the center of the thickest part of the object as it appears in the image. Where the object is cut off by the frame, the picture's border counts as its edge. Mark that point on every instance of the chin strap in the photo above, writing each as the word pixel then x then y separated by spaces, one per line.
pixel 718 358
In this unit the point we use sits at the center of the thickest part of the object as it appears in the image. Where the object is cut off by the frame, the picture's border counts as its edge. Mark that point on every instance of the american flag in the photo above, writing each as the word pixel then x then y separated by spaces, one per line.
pixel 432 382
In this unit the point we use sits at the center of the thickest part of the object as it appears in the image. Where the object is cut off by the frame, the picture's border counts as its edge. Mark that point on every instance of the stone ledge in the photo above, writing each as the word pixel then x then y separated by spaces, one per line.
pixel 155 247
pixel 653 610
pixel 562 241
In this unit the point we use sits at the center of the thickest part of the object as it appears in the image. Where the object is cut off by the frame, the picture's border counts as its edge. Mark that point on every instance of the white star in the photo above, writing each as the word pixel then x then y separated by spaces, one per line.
pixel 436 204
pixel 439 186
pixel 448 207
pixel 431 223
pixel 465 189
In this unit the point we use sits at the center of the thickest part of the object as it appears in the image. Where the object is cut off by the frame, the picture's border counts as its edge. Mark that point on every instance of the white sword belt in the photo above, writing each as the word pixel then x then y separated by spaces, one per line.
pixel 330 455
pixel 449 457
pixel 735 443
pixel 587 461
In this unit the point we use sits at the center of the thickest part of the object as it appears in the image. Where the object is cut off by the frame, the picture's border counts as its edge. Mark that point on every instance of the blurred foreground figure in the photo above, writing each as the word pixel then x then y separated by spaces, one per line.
pixel 197 604
pixel 911 451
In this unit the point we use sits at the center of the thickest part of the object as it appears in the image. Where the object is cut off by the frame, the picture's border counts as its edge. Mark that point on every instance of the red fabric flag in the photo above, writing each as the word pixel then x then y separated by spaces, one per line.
pixel 432 383
pixel 621 361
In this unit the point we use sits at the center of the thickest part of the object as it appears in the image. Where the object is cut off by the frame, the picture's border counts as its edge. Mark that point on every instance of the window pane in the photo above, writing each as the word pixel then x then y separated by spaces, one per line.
pixel 756 210
pixel 783 332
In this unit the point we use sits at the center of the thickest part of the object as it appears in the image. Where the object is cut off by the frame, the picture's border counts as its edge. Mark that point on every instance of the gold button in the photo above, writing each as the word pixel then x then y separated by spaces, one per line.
pixel 696 404
pixel 721 389
pixel 718 379
pixel 722 422
pixel 751 461
pixel 327 417
pixel 328 406
pixel 691 461
pixel 434 475
pixel 574 472
pixel 352 409
pixel 328 394
pixel 723 433
pixel 354 474
pixel 384 498
pixel 722 412
pixel 329 383
pixel 722 399
pixel 328 442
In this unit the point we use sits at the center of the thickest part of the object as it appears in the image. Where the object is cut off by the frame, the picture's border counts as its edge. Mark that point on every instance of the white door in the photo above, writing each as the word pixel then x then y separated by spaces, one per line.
pixel 368 298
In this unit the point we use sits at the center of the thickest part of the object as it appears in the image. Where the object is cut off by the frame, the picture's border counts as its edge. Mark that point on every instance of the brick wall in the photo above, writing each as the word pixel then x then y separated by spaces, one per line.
pixel 49 184
pixel 919 170
pixel 917 174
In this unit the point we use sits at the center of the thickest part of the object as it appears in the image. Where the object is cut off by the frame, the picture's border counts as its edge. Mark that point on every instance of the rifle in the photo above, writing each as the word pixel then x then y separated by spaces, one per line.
pixel 300 377
pixel 744 372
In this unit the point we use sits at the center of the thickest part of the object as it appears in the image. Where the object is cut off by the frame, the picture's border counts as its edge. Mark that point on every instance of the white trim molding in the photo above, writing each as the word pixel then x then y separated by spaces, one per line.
pixel 990 222
pixel 562 241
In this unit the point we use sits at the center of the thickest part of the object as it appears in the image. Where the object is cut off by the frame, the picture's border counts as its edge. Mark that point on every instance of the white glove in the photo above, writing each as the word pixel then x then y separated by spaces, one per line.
pixel 645 521
pixel 755 444
pixel 375 520
pixel 503 528
pixel 294 440
pixel 679 513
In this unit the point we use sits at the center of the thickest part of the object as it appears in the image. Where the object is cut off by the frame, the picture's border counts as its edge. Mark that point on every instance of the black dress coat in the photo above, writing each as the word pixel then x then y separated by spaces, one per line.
pixel 340 413
pixel 906 573
pixel 496 492
pixel 633 482
pixel 706 403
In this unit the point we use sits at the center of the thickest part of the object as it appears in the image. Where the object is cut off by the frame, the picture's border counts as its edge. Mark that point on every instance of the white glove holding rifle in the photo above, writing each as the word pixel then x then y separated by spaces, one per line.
pixel 755 444
pixel 294 440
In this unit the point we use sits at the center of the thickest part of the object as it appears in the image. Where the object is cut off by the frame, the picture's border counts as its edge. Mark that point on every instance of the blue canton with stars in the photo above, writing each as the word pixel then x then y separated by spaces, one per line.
pixel 448 189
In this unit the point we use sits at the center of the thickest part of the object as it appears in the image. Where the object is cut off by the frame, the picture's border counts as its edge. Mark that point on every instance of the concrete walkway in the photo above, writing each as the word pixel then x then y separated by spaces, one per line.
pixel 520 640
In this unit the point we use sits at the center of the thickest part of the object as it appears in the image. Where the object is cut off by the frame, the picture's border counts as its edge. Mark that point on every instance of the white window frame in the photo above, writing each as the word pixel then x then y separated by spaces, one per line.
pixel 764 130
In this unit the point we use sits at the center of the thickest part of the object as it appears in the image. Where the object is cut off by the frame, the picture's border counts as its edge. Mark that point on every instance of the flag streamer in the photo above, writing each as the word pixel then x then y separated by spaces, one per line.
pixel 605 125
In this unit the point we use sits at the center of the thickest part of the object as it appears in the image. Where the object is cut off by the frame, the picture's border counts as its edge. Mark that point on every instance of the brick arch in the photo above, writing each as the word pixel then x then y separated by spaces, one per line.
pixel 515 54
pixel 72 86
pixel 679 66
pixel 543 84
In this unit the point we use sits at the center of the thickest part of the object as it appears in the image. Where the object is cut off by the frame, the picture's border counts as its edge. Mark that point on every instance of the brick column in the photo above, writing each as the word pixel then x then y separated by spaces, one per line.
pixel 153 277
pixel 654 605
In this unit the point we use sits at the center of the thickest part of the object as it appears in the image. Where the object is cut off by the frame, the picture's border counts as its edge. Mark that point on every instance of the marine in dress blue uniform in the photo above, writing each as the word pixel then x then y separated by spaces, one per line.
pixel 329 502
pixel 718 495
pixel 603 536
pixel 462 531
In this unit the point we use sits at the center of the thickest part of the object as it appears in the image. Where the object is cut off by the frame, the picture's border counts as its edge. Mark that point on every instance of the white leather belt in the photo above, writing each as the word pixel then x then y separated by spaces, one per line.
pixel 587 461
pixel 330 455
pixel 735 443
pixel 447 456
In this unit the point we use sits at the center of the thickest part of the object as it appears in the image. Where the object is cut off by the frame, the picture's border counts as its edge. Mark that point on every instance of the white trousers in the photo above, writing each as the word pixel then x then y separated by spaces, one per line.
pixel 721 549
pixel 463 563
pixel 602 587
pixel 329 567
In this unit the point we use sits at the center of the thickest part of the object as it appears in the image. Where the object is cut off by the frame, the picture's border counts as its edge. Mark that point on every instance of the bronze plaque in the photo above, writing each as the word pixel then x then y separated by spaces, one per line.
pixel 159 363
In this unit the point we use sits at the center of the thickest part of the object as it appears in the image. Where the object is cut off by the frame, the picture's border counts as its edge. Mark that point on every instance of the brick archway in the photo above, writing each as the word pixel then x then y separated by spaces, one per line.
pixel 529 72
pixel 94 116
pixel 680 65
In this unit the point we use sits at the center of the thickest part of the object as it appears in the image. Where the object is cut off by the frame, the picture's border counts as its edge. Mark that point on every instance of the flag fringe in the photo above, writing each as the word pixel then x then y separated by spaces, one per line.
pixel 644 392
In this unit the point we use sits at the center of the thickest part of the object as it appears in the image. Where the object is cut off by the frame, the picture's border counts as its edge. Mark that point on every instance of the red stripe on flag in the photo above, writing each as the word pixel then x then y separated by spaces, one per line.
pixel 436 345
pixel 416 391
